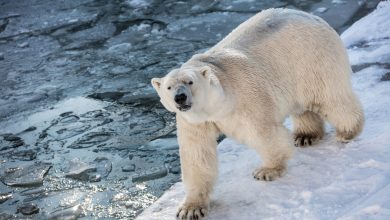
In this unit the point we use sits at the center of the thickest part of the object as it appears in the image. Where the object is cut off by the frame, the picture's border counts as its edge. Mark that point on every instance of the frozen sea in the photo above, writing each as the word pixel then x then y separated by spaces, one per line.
pixel 82 133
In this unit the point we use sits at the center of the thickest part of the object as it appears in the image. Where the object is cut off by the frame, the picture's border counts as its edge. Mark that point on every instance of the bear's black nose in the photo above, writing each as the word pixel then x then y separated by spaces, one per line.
pixel 180 98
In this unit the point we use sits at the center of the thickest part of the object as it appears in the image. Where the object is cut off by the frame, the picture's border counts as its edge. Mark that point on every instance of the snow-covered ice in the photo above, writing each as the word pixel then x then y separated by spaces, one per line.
pixel 372 32
pixel 329 180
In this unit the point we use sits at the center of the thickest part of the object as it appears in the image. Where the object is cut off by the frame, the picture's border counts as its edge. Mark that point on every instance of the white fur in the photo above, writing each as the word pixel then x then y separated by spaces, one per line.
pixel 280 62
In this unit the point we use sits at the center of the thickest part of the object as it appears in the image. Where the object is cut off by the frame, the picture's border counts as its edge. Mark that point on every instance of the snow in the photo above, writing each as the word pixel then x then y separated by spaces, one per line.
pixel 373 27
pixel 327 181
pixel 373 31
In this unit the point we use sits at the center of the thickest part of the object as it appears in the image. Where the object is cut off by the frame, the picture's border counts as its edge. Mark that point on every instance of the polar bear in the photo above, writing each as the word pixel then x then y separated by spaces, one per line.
pixel 279 63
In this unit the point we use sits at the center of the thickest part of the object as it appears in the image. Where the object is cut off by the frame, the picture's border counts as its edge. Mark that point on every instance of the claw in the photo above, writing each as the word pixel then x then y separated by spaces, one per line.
pixel 269 174
pixel 304 140
pixel 191 212
pixel 202 212
pixel 178 213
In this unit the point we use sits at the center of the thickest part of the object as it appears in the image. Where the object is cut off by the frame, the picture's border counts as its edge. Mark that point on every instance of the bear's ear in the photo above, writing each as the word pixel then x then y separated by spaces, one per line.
pixel 207 73
pixel 156 83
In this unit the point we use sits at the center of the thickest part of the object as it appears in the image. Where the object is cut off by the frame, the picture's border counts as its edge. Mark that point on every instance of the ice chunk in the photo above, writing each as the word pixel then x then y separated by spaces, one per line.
pixel 31 175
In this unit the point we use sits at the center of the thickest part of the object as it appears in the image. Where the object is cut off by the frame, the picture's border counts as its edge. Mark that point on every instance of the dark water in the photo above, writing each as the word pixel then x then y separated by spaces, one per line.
pixel 82 133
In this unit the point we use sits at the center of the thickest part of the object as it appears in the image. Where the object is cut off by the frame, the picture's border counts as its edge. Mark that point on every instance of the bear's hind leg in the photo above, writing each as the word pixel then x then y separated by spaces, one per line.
pixel 308 129
pixel 275 148
pixel 347 117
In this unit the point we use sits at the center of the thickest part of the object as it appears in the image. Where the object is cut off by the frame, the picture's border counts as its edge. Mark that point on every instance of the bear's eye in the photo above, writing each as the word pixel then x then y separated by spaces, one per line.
pixel 169 88
pixel 190 83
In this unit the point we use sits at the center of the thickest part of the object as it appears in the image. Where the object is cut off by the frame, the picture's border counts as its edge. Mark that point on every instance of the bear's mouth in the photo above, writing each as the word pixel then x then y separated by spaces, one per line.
pixel 184 108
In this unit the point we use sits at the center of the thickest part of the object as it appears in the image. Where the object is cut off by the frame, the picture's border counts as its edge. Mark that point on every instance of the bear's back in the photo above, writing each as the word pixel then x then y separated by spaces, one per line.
pixel 271 24
pixel 273 51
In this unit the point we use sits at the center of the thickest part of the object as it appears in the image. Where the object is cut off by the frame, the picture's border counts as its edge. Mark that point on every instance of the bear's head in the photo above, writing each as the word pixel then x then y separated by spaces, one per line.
pixel 192 91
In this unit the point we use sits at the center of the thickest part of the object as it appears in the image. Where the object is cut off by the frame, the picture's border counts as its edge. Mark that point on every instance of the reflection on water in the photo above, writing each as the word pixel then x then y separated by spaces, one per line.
pixel 77 105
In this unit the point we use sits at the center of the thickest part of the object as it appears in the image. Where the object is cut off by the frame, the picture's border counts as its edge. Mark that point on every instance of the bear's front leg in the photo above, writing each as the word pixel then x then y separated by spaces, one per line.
pixel 275 148
pixel 198 157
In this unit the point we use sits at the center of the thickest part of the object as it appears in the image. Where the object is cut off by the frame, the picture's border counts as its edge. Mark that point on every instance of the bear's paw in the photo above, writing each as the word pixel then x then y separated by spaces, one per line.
pixel 268 174
pixel 305 140
pixel 190 211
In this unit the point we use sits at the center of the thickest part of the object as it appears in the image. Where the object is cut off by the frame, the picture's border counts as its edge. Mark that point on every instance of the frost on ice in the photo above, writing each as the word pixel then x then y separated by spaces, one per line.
pixel 327 181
